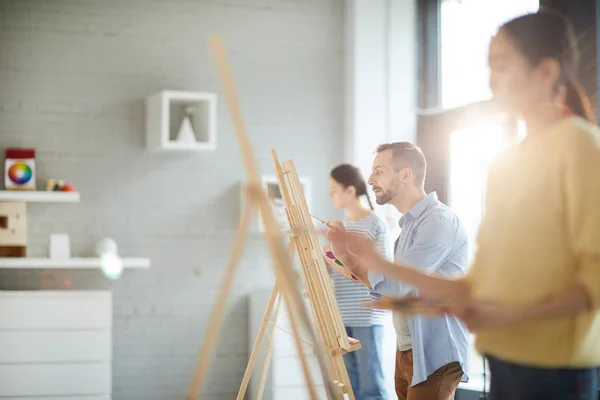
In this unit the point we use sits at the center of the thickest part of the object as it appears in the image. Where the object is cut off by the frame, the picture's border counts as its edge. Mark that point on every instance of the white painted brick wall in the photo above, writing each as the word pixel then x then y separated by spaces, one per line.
pixel 73 75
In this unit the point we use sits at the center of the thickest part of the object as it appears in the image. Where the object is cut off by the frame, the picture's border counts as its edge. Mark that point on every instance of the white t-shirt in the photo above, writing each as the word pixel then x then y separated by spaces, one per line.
pixel 402 331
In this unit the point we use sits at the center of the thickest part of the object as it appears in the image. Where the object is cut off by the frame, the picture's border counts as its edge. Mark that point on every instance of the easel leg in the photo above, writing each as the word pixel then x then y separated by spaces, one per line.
pixel 346 379
pixel 296 331
pixel 217 317
pixel 257 343
pixel 268 353
pixel 285 280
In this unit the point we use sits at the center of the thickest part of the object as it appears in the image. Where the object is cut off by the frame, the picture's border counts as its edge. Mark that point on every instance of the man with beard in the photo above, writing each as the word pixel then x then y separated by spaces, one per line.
pixel 432 351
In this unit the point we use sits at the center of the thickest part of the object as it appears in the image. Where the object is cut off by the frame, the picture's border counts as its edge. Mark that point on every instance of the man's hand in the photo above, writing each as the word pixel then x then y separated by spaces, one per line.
pixel 356 247
pixel 336 236
pixel 365 252
pixel 339 237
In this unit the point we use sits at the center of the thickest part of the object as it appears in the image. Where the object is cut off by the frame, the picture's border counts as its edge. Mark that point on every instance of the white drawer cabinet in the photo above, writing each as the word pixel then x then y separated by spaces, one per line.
pixel 55 344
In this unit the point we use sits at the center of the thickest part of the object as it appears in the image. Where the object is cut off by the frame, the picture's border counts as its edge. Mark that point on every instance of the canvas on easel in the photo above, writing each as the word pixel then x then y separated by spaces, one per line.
pixel 287 283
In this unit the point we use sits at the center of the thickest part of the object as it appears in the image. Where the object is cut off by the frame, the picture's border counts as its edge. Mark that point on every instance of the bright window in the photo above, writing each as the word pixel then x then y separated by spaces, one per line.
pixel 466 27
pixel 471 151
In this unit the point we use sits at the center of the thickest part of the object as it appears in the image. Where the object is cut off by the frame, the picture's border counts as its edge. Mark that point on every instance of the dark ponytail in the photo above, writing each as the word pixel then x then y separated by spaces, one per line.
pixel 369 201
pixel 348 175
pixel 547 34
pixel 578 102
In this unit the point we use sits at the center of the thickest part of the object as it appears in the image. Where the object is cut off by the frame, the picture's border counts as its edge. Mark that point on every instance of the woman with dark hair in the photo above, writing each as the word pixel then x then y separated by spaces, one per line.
pixel 532 294
pixel 346 188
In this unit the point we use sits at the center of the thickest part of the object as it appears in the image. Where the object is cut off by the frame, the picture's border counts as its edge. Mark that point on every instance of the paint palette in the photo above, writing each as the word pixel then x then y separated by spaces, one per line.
pixel 330 255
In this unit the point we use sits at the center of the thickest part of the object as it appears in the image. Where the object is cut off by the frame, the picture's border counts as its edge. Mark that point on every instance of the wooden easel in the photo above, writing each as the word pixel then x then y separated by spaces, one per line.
pixel 286 281
pixel 323 303
pixel 324 306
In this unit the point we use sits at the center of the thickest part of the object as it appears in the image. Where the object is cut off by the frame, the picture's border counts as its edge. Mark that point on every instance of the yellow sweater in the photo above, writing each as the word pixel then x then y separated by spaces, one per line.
pixel 541 234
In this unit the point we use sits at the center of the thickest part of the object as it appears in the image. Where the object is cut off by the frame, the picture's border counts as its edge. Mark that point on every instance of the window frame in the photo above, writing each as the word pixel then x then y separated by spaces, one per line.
pixel 584 14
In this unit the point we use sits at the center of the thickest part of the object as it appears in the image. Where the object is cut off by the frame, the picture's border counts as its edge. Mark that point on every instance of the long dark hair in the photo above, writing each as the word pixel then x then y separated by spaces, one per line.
pixel 348 175
pixel 547 34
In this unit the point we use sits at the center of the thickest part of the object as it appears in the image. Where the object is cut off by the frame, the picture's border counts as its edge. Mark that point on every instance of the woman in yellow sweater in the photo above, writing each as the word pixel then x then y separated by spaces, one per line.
pixel 533 293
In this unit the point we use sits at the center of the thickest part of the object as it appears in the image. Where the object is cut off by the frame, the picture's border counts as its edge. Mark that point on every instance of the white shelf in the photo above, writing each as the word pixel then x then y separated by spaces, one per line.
pixel 72 263
pixel 184 147
pixel 39 196
pixel 165 112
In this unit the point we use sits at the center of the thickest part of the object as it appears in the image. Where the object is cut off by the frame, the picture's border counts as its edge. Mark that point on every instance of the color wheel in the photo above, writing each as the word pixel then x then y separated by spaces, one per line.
pixel 20 173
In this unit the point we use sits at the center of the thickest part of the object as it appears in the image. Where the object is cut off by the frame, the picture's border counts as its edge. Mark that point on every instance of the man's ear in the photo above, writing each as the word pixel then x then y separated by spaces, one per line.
pixel 407 174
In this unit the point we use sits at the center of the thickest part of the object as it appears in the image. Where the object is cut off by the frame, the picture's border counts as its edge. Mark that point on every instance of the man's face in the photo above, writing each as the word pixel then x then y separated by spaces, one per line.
pixel 385 179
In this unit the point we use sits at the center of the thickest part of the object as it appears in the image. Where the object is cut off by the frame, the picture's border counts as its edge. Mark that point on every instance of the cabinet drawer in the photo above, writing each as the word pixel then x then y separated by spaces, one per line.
pixel 21 380
pixel 55 310
pixel 55 346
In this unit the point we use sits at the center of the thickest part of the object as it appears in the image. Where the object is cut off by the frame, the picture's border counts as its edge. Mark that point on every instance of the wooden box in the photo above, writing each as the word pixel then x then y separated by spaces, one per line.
pixel 13 229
